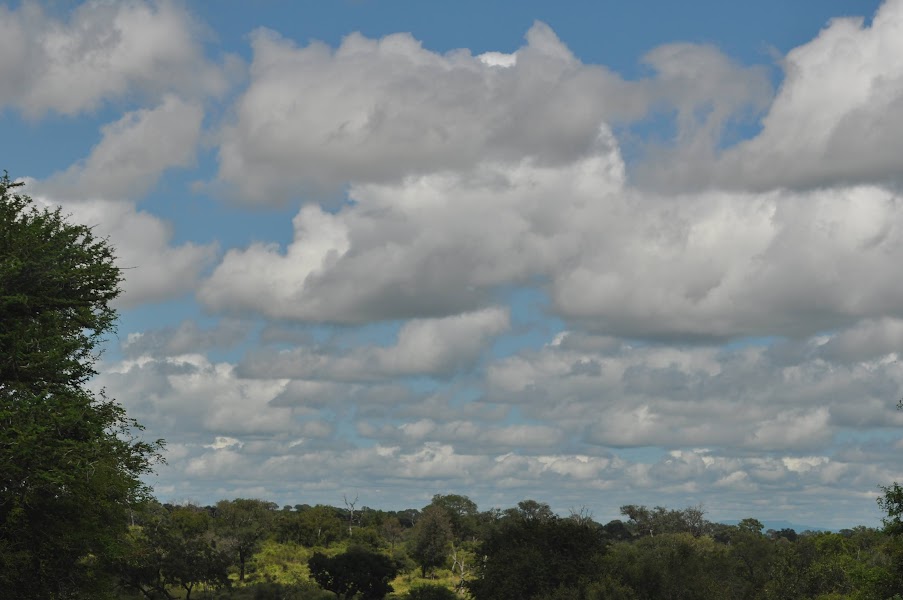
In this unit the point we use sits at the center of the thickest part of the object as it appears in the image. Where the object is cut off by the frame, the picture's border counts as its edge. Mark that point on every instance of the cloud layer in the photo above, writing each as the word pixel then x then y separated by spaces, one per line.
pixel 505 274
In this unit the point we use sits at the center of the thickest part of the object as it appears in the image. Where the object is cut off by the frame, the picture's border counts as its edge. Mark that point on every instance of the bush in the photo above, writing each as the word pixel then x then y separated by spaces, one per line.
pixel 430 592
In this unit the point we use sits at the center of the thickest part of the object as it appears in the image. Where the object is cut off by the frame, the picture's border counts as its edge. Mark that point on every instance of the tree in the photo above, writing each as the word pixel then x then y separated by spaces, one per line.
pixel 357 571
pixel 462 513
pixel 70 464
pixel 245 522
pixel 172 548
pixel 532 553
pixel 431 539
pixel 310 526
pixel 191 555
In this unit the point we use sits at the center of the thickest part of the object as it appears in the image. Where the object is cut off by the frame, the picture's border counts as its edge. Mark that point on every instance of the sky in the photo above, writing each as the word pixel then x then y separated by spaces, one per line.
pixel 589 253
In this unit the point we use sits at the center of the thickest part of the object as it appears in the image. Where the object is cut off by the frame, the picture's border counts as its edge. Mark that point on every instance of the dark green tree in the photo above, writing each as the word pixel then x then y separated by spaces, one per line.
pixel 531 553
pixel 462 513
pixel 357 571
pixel 192 555
pixel 244 523
pixel 70 464
pixel 431 539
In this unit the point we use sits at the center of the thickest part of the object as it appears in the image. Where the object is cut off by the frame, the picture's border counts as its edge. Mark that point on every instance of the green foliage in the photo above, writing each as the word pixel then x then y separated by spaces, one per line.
pixel 244 523
pixel 892 504
pixel 430 592
pixel 532 553
pixel 316 526
pixel 673 565
pixel 70 465
pixel 461 512
pixel 431 539
pixel 654 521
pixel 357 571
pixel 172 549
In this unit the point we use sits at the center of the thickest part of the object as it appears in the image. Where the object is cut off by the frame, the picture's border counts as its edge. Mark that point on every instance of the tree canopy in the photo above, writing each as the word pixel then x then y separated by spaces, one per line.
pixel 70 464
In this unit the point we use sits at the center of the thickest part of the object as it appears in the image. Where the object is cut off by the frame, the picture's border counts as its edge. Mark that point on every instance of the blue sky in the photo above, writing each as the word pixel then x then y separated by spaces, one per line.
pixel 588 253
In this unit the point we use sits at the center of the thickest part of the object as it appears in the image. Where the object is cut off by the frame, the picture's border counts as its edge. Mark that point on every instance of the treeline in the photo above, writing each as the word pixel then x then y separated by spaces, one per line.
pixel 449 549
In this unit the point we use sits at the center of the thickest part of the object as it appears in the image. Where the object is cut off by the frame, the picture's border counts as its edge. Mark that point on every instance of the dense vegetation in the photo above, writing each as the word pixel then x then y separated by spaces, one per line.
pixel 525 552
pixel 76 522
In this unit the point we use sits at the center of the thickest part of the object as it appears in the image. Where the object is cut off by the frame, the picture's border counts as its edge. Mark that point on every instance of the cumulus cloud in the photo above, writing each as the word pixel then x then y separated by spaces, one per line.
pixel 187 338
pixel 835 120
pixel 315 118
pixel 697 396
pixel 716 264
pixel 194 398
pixel 133 153
pixel 100 192
pixel 103 51
pixel 424 347
pixel 432 246
pixel 735 424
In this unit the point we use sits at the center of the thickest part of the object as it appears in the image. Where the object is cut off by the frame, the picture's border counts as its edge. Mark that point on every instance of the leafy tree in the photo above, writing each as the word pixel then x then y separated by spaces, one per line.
pixel 172 548
pixel 532 553
pixel 357 571
pixel 431 539
pixel 672 565
pixel 392 531
pixel 645 521
pixel 70 465
pixel 892 504
pixel 462 514
pixel 191 555
pixel 311 526
pixel 245 523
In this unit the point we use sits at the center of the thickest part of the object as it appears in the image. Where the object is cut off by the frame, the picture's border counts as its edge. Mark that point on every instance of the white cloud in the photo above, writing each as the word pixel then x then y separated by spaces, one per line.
pixel 314 118
pixel 153 270
pixel 104 51
pixel 100 192
pixel 187 338
pixel 375 111
pixel 424 347
pixel 432 246
pixel 747 399
pixel 835 120
pixel 134 152
pixel 192 398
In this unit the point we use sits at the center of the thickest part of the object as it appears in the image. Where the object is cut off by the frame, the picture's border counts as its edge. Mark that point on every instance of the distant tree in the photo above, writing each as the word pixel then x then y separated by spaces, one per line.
pixel 392 531
pixel 244 523
pixel 655 521
pixel 531 510
pixel 191 555
pixel 311 526
pixel 70 462
pixel 617 530
pixel 171 548
pixel 531 553
pixel 673 565
pixel 357 571
pixel 891 503
pixel 462 514
pixel 431 539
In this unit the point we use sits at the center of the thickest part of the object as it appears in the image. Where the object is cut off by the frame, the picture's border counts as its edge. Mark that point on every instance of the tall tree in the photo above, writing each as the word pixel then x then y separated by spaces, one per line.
pixel 532 553
pixel 431 539
pixel 70 464
pixel 245 522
